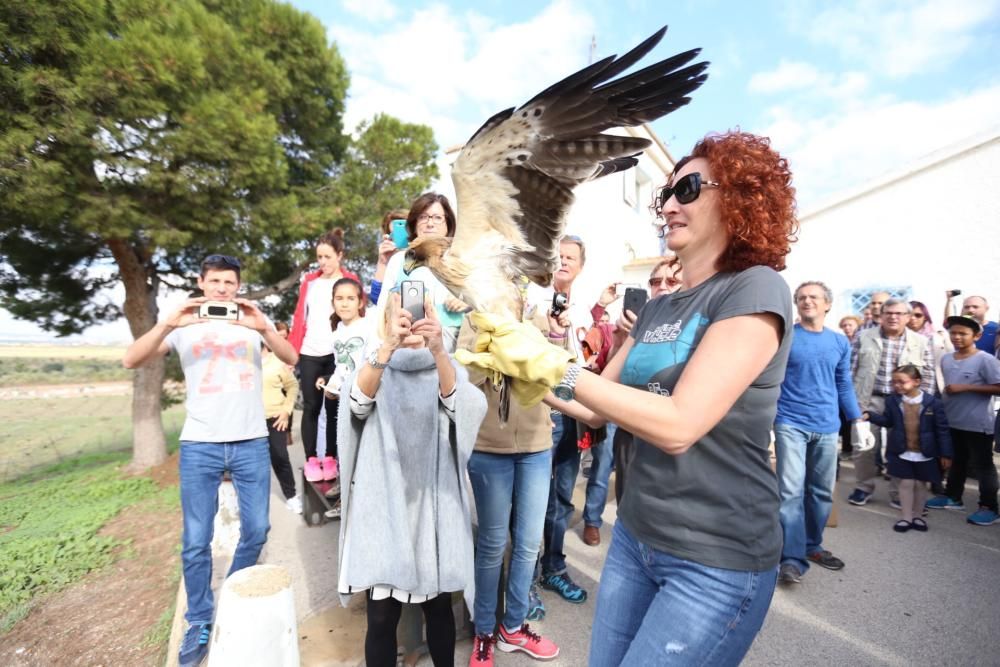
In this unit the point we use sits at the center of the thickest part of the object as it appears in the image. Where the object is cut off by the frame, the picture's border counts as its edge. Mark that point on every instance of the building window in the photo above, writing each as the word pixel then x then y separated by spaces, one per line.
pixel 628 187
pixel 860 298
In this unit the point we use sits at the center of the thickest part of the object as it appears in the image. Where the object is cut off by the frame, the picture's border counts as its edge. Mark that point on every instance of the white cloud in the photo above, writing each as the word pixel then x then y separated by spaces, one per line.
pixel 452 71
pixel 902 37
pixel 841 149
pixel 787 76
pixel 373 10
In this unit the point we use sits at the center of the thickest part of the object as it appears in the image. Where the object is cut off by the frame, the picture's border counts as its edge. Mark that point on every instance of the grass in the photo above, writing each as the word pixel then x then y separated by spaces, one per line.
pixel 42 431
pixel 49 525
pixel 19 371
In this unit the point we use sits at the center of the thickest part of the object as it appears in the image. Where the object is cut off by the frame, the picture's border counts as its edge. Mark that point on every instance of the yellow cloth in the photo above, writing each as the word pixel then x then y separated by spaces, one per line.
pixel 280 387
pixel 519 350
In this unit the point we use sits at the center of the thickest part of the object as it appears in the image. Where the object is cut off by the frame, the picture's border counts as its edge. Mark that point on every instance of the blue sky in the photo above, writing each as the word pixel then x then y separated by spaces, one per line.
pixel 847 91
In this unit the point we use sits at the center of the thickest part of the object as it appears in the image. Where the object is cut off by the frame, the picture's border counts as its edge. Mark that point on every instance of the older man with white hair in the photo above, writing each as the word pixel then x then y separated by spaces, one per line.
pixel 875 354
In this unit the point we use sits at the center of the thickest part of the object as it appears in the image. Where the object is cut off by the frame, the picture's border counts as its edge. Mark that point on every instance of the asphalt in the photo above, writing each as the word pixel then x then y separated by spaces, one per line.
pixel 902 599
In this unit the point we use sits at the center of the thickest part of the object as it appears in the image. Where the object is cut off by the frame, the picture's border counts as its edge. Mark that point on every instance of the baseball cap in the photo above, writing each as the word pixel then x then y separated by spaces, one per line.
pixel 964 321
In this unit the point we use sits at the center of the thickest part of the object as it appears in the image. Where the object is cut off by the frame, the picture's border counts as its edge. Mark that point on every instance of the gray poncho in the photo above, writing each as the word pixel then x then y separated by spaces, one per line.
pixel 406 511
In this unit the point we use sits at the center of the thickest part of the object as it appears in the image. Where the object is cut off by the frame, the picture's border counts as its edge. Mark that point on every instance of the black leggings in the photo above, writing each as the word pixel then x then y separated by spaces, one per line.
pixel 278 441
pixel 311 369
pixel 383 617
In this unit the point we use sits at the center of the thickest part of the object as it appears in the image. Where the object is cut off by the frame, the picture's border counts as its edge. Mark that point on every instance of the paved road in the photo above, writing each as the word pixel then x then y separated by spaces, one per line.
pixel 903 599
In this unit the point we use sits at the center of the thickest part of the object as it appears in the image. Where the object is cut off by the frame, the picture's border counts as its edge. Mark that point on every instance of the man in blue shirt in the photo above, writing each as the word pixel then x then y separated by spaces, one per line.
pixel 817 386
pixel 976 307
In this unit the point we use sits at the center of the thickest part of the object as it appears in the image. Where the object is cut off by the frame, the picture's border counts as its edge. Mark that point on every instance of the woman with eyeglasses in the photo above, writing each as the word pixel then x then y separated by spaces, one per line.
pixel 430 215
pixel 694 556
pixel 313 338
pixel 920 322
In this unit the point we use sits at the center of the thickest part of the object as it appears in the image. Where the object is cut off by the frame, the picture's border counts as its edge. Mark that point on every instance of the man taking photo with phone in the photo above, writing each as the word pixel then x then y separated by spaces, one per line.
pixel 225 428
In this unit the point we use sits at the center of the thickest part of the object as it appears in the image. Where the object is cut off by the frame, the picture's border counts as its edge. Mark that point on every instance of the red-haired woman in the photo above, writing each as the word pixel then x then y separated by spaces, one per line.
pixel 694 555
pixel 313 338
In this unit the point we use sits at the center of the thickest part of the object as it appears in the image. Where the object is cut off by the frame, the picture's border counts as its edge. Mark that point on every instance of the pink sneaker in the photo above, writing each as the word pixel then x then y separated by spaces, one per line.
pixel 330 468
pixel 482 651
pixel 525 640
pixel 314 473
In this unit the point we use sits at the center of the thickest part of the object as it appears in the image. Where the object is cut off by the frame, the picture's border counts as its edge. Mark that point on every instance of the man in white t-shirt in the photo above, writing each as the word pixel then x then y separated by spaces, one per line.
pixel 224 430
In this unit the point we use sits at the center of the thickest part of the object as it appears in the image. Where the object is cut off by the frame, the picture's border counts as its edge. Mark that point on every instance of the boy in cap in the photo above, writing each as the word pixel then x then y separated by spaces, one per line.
pixel 971 379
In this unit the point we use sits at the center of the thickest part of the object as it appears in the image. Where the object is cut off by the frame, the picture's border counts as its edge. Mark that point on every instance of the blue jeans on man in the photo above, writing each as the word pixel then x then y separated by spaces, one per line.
pixel 656 609
pixel 806 468
pixel 511 491
pixel 600 474
pixel 201 468
pixel 559 511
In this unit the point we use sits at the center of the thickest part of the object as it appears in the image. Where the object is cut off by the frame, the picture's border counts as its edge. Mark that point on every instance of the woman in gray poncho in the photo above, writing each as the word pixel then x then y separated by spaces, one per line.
pixel 404 439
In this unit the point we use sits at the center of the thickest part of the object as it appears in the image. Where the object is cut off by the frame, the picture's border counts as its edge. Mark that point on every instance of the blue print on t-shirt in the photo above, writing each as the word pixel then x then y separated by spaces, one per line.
pixel 661 348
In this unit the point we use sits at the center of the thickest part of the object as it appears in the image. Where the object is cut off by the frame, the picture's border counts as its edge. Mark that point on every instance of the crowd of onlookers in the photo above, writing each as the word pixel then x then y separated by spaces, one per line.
pixel 455 477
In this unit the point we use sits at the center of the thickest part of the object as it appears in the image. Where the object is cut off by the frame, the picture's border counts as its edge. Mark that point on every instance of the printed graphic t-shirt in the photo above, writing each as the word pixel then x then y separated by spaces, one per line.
pixel 716 504
pixel 222 374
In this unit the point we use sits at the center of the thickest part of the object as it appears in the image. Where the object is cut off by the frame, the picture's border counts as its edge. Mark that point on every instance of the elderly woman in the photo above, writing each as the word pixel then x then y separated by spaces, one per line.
pixel 693 560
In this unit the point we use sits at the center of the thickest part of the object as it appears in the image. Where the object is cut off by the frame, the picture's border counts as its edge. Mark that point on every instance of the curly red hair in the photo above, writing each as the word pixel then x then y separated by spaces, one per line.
pixel 756 197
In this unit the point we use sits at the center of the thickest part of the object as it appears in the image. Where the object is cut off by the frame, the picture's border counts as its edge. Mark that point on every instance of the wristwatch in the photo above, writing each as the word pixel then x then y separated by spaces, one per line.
pixel 375 363
pixel 566 389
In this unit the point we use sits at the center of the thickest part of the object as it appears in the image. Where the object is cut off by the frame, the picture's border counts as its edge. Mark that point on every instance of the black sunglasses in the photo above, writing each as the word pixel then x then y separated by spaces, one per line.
pixel 228 260
pixel 686 189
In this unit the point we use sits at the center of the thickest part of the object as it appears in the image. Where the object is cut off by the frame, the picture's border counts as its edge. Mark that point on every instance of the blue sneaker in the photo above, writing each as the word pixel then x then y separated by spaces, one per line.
pixel 944 503
pixel 194 646
pixel 984 516
pixel 536 608
pixel 859 497
pixel 564 586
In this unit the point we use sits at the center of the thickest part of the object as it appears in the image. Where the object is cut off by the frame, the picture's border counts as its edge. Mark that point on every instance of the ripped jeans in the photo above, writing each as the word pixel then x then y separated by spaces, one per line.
pixel 656 609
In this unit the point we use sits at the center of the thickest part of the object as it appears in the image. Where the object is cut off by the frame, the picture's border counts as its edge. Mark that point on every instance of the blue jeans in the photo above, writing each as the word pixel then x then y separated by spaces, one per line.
pixel 656 609
pixel 565 466
pixel 201 468
pixel 807 467
pixel 506 484
pixel 600 473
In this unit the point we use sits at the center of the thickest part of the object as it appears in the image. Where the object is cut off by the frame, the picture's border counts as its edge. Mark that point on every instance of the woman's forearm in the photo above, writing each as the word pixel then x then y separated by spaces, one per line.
pixel 446 373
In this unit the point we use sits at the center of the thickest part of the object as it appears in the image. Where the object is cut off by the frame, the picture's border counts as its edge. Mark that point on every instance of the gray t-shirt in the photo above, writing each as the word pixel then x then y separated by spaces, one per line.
pixel 716 504
pixel 222 375
pixel 969 411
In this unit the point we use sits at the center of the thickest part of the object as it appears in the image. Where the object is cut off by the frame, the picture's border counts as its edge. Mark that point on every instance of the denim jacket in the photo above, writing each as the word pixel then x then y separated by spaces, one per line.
pixel 935 438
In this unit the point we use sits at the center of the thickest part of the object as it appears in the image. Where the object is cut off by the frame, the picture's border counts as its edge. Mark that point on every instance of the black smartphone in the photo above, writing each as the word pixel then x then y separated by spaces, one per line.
pixel 635 299
pixel 412 298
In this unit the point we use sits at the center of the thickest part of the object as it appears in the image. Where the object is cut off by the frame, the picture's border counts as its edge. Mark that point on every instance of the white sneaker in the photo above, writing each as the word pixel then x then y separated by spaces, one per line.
pixel 294 504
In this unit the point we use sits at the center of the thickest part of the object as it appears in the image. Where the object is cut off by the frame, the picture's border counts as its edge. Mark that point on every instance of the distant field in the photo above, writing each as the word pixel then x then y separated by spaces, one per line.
pixel 36 432
pixel 63 351
pixel 57 364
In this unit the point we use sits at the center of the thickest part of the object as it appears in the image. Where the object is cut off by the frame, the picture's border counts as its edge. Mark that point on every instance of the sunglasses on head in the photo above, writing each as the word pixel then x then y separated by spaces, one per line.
pixel 228 260
pixel 686 189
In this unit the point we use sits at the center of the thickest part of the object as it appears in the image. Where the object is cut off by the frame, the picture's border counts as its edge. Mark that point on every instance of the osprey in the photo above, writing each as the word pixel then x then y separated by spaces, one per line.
pixel 514 178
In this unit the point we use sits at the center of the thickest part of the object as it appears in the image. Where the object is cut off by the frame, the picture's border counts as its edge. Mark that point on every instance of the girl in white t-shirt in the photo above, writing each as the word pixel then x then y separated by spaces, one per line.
pixel 352 330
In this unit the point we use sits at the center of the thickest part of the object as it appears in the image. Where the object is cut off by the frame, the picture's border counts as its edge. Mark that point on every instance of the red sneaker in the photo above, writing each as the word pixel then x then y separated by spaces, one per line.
pixel 536 646
pixel 314 473
pixel 482 651
pixel 330 468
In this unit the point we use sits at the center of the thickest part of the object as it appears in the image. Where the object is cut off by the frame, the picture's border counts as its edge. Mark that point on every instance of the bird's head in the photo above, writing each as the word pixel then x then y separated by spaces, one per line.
pixel 425 251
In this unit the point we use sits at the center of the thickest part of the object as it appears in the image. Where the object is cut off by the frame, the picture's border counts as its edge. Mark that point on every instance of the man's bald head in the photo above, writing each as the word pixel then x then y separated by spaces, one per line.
pixel 976 308
pixel 876 301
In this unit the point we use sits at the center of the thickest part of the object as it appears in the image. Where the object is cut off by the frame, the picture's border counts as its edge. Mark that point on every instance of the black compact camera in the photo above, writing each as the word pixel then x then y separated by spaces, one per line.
pixel 219 310
pixel 560 302
pixel 954 292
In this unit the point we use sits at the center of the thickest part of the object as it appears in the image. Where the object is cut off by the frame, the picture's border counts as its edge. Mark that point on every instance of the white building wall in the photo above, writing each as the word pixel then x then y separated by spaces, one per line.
pixel 933 228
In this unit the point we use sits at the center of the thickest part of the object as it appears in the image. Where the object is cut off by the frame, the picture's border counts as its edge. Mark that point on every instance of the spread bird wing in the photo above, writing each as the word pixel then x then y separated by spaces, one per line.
pixel 515 176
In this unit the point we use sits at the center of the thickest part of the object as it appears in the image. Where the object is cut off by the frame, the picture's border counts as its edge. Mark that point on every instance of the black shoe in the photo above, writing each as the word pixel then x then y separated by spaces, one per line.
pixel 827 560
pixel 789 574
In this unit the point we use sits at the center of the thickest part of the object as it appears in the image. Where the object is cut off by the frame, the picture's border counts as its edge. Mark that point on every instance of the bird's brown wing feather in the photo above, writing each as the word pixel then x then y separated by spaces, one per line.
pixel 516 175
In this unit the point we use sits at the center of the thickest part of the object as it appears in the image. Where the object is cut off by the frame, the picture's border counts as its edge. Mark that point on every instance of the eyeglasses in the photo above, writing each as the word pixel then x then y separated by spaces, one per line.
pixel 886 313
pixel 916 314
pixel 436 218
pixel 666 281
pixel 686 189
pixel 228 260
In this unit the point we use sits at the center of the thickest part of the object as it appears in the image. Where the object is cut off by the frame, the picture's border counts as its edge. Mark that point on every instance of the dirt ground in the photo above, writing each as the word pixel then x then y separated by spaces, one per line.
pixel 106 618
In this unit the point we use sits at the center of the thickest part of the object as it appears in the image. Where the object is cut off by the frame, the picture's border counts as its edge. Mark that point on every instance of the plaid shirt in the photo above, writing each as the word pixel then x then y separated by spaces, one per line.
pixel 892 348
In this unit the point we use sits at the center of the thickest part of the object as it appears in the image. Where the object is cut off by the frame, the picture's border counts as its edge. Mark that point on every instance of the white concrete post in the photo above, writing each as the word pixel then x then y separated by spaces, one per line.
pixel 255 623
